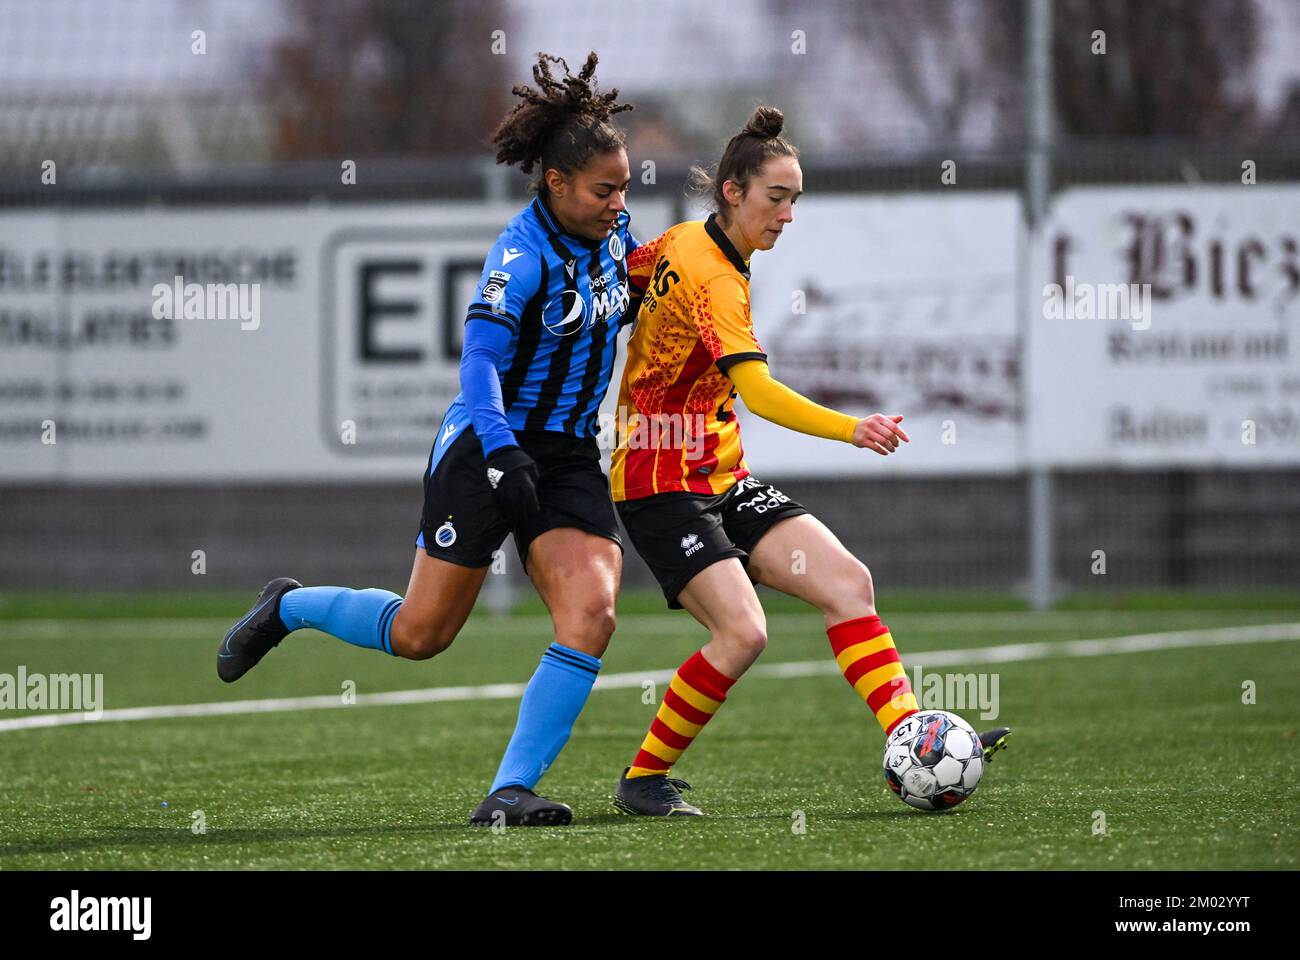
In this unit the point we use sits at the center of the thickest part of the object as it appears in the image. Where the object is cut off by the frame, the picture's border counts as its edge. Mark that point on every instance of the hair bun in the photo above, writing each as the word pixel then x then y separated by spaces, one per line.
pixel 766 122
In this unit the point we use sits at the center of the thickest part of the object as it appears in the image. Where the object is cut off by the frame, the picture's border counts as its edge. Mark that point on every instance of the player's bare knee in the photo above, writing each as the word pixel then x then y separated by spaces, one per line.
pixel 852 592
pixel 749 640
pixel 419 641
pixel 590 628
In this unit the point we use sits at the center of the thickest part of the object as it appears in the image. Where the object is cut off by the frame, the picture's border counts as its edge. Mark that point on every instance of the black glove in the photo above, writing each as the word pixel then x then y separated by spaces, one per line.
pixel 513 475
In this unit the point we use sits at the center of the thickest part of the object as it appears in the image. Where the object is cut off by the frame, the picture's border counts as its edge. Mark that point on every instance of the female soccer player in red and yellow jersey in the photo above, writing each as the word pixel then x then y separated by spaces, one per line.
pixel 695 514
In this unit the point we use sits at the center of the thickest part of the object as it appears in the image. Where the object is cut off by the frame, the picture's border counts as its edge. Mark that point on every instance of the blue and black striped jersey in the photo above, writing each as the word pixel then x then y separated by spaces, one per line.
pixel 563 298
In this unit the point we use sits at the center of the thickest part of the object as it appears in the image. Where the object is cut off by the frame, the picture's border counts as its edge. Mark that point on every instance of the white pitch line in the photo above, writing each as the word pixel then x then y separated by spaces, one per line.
pixel 1006 653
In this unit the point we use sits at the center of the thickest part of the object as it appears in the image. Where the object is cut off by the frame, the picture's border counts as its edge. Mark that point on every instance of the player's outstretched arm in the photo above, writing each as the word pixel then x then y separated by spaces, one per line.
pixel 511 277
pixel 485 347
pixel 774 401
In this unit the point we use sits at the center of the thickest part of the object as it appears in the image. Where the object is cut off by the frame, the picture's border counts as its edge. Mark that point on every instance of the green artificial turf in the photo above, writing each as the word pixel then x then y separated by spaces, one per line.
pixel 1186 775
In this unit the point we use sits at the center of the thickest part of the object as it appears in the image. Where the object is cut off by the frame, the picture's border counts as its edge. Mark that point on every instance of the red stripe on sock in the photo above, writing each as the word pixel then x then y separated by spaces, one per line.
pixel 879 697
pixel 846 634
pixel 684 709
pixel 704 677
pixel 863 665
pixel 669 736
pixel 648 761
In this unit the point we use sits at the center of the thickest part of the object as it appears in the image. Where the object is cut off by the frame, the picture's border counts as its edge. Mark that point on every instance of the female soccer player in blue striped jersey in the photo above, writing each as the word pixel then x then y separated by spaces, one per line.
pixel 516 451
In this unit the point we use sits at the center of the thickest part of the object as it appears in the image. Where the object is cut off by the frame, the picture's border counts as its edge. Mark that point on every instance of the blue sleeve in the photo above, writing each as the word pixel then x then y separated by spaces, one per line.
pixel 486 345
pixel 511 278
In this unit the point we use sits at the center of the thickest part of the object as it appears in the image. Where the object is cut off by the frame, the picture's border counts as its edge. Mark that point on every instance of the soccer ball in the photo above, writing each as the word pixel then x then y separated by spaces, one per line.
pixel 933 760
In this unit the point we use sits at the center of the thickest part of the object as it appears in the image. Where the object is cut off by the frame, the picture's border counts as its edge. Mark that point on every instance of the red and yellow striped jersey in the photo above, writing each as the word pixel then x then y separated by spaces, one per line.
pixel 677 427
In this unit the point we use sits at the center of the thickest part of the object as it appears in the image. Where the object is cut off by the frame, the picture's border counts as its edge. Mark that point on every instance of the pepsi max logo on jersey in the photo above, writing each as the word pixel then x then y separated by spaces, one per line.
pixel 610 304
pixel 570 307
pixel 615 246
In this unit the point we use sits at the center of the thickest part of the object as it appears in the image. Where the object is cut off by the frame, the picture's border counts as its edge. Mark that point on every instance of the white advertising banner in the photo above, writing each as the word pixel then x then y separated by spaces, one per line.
pixel 300 342
pixel 323 342
pixel 900 304
pixel 1162 328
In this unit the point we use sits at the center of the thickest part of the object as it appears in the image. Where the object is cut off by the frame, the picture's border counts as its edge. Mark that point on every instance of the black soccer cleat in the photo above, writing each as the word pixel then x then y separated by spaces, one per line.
pixel 654 796
pixel 261 628
pixel 520 807
pixel 993 741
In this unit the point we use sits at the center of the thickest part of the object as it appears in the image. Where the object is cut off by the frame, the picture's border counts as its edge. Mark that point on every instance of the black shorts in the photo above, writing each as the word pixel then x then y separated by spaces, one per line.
pixel 462 523
pixel 679 534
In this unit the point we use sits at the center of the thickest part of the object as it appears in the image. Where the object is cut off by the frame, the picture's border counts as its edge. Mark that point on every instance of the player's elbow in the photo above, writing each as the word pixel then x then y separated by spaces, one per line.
pixel 761 406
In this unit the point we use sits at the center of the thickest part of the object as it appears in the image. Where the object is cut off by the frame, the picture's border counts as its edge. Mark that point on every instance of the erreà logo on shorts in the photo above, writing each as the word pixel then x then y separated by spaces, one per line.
pixel 77 913
pixel 691 543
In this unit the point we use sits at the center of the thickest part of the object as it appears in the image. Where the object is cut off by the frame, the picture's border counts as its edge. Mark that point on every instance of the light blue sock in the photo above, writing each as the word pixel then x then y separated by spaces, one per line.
pixel 552 701
pixel 361 617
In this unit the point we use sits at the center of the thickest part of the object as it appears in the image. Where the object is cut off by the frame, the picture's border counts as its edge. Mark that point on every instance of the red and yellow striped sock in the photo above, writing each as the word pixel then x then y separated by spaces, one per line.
pixel 865 652
pixel 693 696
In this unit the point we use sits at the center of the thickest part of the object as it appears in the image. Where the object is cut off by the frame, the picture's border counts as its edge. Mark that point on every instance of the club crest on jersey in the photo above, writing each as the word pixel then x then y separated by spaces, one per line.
pixel 615 246
pixel 445 535
pixel 571 309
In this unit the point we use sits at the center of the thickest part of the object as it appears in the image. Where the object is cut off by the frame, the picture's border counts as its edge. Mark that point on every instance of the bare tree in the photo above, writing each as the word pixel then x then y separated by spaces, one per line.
pixel 946 58
pixel 1172 68
pixel 387 77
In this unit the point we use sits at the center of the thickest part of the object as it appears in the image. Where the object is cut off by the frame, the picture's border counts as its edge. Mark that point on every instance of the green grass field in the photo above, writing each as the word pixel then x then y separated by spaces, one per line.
pixel 1188 776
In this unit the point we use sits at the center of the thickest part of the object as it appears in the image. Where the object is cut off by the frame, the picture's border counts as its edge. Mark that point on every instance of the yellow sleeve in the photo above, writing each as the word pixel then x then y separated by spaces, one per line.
pixel 722 317
pixel 773 400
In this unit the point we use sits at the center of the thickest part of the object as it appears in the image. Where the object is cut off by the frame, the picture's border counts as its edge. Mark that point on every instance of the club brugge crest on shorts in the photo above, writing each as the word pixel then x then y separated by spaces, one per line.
pixel 445 535
pixel 571 308
pixel 615 246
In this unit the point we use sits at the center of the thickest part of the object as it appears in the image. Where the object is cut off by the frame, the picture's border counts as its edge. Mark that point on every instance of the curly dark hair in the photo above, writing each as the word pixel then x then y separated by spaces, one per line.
pixel 561 124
